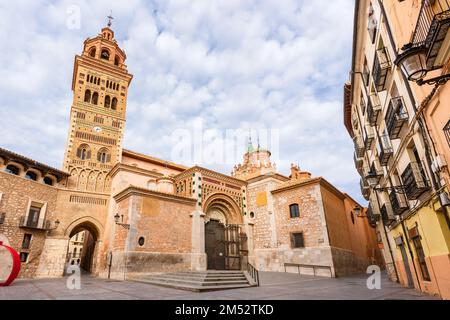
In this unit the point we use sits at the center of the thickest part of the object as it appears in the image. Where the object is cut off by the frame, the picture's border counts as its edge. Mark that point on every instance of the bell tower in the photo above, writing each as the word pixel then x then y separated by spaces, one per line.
pixel 97 118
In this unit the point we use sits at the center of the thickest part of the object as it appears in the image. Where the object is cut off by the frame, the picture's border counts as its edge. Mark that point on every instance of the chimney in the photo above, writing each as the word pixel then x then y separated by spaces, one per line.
pixel 294 172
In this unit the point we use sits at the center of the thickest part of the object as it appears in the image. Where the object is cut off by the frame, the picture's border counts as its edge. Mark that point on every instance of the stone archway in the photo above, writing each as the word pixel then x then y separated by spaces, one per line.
pixel 225 243
pixel 83 244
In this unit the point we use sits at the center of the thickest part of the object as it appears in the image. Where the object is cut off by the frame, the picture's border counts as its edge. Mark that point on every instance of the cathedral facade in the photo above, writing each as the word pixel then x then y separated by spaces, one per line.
pixel 144 215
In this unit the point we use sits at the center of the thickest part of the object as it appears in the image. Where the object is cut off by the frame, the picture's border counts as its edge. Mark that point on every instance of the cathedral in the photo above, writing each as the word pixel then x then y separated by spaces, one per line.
pixel 141 215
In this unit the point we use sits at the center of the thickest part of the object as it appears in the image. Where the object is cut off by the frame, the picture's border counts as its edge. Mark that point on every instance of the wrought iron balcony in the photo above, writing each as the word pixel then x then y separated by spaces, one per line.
pixel 373 109
pixel 387 214
pixel 415 180
pixel 371 217
pixel 432 28
pixel 385 150
pixel 398 202
pixel 359 161
pixel 40 224
pixel 374 173
pixel 396 117
pixel 359 146
pixel 381 66
pixel 369 137
pixel 365 190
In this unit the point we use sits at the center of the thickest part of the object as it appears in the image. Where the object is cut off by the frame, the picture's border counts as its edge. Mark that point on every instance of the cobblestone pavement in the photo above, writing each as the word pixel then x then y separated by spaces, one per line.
pixel 273 286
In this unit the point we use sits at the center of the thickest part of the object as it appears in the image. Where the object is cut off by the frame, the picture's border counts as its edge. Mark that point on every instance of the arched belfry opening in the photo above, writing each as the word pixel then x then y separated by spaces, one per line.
pixel 82 248
pixel 225 238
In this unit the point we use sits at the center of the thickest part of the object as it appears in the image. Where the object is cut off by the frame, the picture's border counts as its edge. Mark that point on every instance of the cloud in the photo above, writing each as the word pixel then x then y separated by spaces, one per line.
pixel 233 64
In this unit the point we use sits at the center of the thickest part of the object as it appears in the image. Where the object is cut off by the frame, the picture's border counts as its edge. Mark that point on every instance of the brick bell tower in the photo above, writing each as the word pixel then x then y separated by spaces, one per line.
pixel 97 118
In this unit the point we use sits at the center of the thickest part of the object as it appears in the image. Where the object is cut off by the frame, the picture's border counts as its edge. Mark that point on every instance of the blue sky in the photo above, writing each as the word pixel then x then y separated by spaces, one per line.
pixel 272 64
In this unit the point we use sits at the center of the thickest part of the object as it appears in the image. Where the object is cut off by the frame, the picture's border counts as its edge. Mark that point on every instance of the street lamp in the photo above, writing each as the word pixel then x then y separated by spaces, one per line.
pixel 116 220
pixel 413 62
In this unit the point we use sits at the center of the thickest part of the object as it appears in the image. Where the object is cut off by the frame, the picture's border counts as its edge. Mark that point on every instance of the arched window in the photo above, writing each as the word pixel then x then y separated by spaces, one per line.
pixel 98 81
pixel 95 98
pixel 116 60
pixel 12 169
pixel 107 83
pixel 103 155
pixel 105 54
pixel 88 78
pixel 48 181
pixel 114 104
pixel 31 175
pixel 294 210
pixel 92 52
pixel 87 96
pixel 107 102
pixel 84 152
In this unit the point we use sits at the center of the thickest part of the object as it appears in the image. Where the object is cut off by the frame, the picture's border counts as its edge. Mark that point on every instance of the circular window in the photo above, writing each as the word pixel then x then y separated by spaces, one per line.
pixel 141 241
pixel 252 215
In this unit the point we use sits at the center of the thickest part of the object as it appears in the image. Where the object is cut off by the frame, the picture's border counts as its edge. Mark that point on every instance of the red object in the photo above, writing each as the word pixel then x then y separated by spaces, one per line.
pixel 16 266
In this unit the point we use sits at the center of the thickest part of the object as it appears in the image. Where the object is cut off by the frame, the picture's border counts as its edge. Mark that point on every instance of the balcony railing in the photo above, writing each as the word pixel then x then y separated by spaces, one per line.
pixel 369 137
pixel 381 66
pixel 365 190
pixel 415 181
pixel 387 214
pixel 371 217
pixel 2 218
pixel 396 117
pixel 359 161
pixel 385 151
pixel 398 202
pixel 359 146
pixel 373 109
pixel 40 224
pixel 432 26
pixel 373 172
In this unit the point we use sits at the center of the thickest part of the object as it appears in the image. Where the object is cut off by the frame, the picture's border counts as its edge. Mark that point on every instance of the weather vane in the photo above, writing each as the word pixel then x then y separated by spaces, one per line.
pixel 110 18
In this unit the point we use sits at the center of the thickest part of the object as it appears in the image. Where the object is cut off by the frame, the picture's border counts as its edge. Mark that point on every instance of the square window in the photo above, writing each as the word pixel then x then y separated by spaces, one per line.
pixel 294 210
pixel 297 240
pixel 26 242
pixel 23 256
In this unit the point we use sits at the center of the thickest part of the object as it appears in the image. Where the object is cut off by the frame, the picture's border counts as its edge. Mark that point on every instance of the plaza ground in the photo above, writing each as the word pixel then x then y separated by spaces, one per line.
pixel 274 286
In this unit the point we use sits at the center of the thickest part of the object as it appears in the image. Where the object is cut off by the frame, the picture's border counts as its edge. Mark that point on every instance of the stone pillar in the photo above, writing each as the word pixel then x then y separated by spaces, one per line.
pixel 52 262
pixel 198 255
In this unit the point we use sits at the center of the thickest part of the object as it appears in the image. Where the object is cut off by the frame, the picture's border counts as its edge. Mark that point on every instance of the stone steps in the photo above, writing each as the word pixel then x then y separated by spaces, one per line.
pixel 198 281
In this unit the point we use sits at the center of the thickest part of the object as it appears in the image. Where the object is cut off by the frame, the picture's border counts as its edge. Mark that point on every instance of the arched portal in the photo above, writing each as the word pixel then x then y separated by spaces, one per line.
pixel 225 239
pixel 82 249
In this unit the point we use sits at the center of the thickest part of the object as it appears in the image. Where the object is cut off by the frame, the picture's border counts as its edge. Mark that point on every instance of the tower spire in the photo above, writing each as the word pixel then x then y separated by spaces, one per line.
pixel 250 144
pixel 110 18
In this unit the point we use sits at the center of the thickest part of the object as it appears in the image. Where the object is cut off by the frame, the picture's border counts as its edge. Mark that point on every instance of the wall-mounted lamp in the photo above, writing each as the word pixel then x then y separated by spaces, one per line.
pixel 116 220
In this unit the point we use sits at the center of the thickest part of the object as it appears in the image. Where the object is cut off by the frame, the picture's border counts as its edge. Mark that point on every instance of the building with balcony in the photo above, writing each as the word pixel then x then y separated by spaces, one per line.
pixel 404 171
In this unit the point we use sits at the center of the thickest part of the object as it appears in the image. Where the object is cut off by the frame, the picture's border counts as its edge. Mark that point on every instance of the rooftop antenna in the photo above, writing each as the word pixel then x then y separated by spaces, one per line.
pixel 110 18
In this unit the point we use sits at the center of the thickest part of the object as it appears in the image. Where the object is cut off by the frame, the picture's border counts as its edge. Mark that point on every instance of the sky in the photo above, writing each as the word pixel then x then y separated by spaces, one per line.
pixel 275 66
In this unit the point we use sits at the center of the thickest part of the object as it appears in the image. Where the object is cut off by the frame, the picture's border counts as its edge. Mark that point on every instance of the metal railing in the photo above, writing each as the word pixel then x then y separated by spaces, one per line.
pixel 39 224
pixel 373 109
pixel 365 190
pixel 371 217
pixel 254 273
pixel 359 146
pixel 385 149
pixel 387 214
pixel 369 137
pixel 396 117
pixel 381 65
pixel 398 202
pixel 414 180
pixel 430 12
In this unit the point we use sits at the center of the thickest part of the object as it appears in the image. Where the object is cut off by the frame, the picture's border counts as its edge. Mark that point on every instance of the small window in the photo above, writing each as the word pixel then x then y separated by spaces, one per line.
pixel 294 210
pixel 12 169
pixel 84 152
pixel 24 257
pixel 252 215
pixel 92 52
pixel 33 217
pixel 31 175
pixel 116 61
pixel 297 240
pixel 114 104
pixel 141 241
pixel 26 242
pixel 107 102
pixel 447 132
pixel 104 156
pixel 87 96
pixel 95 98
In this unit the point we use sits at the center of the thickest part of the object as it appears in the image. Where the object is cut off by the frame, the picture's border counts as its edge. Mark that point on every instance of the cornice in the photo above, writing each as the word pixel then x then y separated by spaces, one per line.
pixel 137 191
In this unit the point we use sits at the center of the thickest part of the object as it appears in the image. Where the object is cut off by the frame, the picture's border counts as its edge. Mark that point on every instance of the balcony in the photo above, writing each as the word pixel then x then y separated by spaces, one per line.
pixel 359 146
pixel 373 109
pixel 431 30
pixel 387 214
pixel 398 202
pixel 381 66
pixel 369 137
pixel 359 161
pixel 371 217
pixel 373 174
pixel 40 224
pixel 365 190
pixel 385 150
pixel 396 117
pixel 415 181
